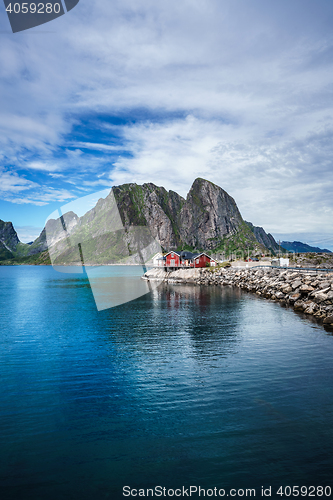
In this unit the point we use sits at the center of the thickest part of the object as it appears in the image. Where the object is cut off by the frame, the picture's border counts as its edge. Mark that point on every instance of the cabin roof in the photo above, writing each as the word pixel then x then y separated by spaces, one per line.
pixel 172 251
pixel 185 254
pixel 196 255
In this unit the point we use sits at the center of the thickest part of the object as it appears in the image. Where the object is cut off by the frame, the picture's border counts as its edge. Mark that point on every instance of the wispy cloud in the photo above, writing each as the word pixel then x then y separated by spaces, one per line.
pixel 97 147
pixel 11 182
pixel 237 92
pixel 19 190
pixel 39 165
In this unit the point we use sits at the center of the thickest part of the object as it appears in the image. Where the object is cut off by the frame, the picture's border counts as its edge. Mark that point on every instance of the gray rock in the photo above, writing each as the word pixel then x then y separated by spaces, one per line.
pixel 295 284
pixel 328 320
pixel 320 297
pixel 324 284
pixel 299 305
pixel 294 297
pixel 8 236
pixel 207 215
pixel 311 308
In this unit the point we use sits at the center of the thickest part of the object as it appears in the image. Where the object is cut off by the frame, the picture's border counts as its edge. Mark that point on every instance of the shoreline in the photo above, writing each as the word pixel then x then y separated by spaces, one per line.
pixel 309 292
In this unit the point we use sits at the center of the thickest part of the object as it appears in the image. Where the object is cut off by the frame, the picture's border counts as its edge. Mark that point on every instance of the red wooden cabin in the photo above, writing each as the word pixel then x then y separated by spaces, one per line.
pixel 202 259
pixel 187 259
pixel 172 259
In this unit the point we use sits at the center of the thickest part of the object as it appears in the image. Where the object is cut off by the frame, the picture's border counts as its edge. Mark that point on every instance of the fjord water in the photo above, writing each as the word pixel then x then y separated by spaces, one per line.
pixel 188 385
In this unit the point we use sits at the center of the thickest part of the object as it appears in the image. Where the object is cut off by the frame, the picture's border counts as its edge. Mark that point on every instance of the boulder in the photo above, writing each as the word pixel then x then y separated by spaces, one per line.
pixel 293 298
pixel 299 305
pixel 295 284
pixel 328 320
pixel 311 308
pixel 315 283
pixel 320 297
pixel 324 284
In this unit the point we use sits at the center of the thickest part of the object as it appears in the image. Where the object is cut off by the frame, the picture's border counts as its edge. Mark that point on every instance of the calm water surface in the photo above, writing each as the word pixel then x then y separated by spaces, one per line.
pixel 185 386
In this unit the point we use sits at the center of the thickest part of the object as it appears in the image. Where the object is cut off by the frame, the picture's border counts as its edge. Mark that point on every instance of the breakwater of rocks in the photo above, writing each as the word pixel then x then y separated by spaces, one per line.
pixel 306 291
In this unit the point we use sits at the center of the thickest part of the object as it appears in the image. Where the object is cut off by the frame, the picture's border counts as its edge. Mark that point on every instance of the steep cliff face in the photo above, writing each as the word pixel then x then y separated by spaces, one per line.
pixel 151 206
pixel 8 236
pixel 262 237
pixel 203 220
pixel 8 240
pixel 208 215
pixel 208 219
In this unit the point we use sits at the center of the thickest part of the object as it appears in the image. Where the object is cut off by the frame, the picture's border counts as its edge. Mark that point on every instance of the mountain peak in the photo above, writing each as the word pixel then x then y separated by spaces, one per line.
pixel 8 235
pixel 8 240
pixel 208 219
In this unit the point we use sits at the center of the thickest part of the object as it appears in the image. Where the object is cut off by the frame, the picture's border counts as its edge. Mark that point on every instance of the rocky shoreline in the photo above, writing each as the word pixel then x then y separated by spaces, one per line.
pixel 309 292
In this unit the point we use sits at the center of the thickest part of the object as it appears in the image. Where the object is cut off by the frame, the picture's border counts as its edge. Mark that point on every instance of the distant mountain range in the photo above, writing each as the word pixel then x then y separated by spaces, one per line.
pixel 299 247
pixel 208 219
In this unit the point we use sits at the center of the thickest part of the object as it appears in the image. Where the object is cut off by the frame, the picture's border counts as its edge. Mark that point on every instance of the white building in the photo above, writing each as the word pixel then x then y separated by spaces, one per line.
pixel 157 262
pixel 282 262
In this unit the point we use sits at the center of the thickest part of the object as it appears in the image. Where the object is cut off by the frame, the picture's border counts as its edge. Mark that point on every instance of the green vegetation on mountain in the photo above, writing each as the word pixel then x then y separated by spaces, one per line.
pixel 42 258
pixel 242 243
pixel 207 220
pixel 5 253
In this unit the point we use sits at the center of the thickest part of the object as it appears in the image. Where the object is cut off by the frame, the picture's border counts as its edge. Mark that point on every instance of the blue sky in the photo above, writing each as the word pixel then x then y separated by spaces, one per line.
pixel 237 92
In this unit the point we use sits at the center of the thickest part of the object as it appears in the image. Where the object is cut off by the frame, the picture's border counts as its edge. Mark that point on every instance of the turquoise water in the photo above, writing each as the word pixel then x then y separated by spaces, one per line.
pixel 185 386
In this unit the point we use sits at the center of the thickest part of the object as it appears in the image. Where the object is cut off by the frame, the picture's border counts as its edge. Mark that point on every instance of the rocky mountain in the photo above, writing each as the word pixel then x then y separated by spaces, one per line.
pixel 299 247
pixel 208 219
pixel 208 215
pixel 202 220
pixel 265 239
pixel 8 240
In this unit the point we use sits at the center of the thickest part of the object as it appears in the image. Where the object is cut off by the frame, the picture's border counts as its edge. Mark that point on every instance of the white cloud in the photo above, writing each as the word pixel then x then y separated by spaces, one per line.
pixel 97 147
pixel 13 183
pixel 25 201
pixel 27 234
pixel 237 92
pixel 283 185
pixel 39 165
pixel 19 190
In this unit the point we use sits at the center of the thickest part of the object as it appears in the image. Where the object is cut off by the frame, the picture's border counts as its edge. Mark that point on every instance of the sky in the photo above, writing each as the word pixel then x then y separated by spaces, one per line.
pixel 238 92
